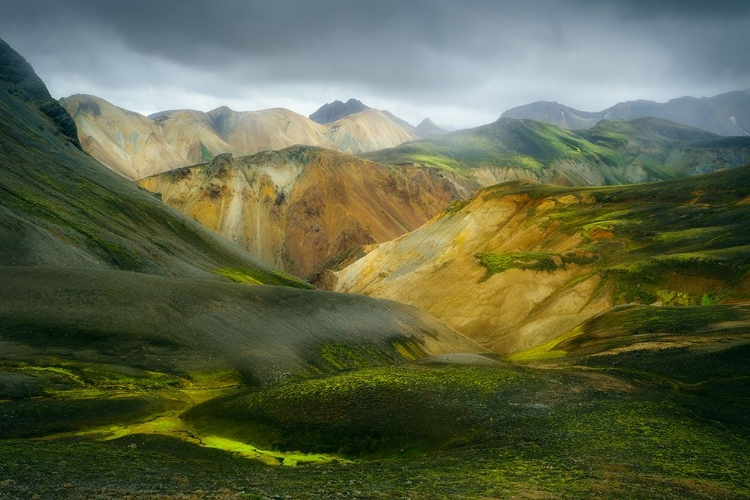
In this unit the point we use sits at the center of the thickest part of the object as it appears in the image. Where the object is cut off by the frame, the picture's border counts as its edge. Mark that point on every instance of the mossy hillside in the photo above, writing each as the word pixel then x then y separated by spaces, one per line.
pixel 181 326
pixel 581 427
pixel 523 144
pixel 465 432
pixel 653 137
pixel 680 242
pixel 612 152
pixel 696 354
pixel 365 412
pixel 259 276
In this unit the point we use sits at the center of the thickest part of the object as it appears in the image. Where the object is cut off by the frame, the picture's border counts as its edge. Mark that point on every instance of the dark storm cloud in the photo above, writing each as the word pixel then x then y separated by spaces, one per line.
pixel 465 60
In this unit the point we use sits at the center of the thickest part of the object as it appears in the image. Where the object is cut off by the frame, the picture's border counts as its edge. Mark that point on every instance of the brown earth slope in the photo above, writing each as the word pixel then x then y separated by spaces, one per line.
pixel 303 207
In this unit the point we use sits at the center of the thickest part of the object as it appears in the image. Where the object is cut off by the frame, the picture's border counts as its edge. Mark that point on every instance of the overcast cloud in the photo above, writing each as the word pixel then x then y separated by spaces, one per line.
pixel 460 63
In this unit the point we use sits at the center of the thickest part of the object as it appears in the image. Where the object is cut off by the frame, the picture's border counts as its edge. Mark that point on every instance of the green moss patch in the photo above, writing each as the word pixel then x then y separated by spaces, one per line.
pixel 258 276
pixel 383 411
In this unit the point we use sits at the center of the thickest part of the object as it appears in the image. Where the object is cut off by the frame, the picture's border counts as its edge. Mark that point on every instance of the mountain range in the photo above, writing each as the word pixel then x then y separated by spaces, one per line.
pixel 144 356
pixel 137 146
pixel 724 114
pixel 639 150
pixel 306 210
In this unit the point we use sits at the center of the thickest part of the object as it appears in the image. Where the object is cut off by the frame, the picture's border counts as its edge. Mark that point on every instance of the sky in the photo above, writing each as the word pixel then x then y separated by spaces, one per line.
pixel 461 63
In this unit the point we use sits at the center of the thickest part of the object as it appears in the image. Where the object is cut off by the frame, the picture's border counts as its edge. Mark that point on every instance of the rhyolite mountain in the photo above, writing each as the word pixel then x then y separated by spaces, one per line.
pixel 522 262
pixel 303 209
pixel 640 150
pixel 723 114
pixel 137 146
pixel 332 111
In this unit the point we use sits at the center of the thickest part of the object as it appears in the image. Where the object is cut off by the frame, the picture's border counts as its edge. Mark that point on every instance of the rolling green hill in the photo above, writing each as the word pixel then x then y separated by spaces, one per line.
pixel 609 153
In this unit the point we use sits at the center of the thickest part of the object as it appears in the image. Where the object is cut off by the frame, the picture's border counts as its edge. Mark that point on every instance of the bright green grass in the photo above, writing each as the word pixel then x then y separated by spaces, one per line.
pixel 258 276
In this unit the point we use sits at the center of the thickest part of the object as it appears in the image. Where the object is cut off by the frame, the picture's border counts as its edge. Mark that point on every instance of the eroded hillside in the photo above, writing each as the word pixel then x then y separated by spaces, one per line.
pixel 305 208
pixel 523 262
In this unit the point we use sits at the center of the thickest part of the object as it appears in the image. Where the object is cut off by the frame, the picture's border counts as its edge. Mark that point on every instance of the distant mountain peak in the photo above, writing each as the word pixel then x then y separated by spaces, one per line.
pixel 428 128
pixel 336 110
pixel 713 114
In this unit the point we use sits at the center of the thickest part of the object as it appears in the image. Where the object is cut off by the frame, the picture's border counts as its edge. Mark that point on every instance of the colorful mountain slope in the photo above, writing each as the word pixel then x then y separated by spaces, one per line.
pixel 303 209
pixel 523 262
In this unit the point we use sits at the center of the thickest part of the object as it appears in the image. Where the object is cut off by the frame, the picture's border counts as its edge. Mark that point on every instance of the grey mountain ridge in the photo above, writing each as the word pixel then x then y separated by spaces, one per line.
pixel 724 114
pixel 336 110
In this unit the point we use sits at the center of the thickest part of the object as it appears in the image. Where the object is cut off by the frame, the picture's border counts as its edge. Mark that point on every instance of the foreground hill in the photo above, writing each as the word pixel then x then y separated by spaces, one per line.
pixel 642 150
pixel 723 114
pixel 642 399
pixel 137 146
pixel 303 208
pixel 523 262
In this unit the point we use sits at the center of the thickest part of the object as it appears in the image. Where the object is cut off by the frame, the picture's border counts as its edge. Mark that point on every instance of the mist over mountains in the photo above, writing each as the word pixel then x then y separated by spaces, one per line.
pixel 723 114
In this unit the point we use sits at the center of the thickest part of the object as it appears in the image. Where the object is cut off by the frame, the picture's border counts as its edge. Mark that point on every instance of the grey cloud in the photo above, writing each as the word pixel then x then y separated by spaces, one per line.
pixel 479 56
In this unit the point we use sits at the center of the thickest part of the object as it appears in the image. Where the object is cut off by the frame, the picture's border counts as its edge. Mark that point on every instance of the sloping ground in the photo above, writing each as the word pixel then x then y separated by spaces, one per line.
pixel 608 418
pixel 305 208
pixel 724 114
pixel 522 262
pixel 698 354
pixel 121 321
pixel 137 146
pixel 610 153
pixel 639 401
